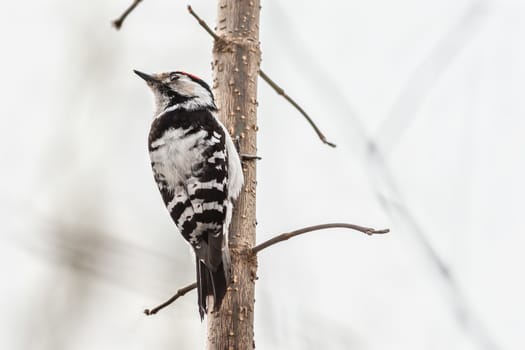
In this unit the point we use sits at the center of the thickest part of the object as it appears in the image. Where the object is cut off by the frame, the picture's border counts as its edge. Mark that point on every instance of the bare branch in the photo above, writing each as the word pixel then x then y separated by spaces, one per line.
pixel 118 22
pixel 267 79
pixel 280 238
pixel 280 91
pixel 288 235
pixel 203 23
pixel 177 295
pixel 246 157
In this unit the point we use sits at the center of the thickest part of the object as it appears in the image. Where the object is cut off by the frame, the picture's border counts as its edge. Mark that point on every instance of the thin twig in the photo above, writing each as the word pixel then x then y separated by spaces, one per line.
pixel 280 238
pixel 280 91
pixel 177 295
pixel 118 22
pixel 249 157
pixel 267 79
pixel 203 23
pixel 288 235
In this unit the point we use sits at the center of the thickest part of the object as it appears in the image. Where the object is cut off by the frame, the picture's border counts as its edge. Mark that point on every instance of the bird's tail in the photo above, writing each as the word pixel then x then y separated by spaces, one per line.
pixel 210 282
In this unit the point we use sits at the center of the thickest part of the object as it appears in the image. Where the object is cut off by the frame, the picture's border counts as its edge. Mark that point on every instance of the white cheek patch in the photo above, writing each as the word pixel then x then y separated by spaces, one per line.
pixel 184 87
pixel 199 96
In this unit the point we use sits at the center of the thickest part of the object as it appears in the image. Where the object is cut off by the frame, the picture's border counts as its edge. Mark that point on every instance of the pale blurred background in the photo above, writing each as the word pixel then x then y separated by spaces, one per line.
pixel 424 100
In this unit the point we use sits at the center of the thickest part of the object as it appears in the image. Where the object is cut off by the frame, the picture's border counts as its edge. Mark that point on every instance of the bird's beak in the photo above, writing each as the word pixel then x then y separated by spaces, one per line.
pixel 146 77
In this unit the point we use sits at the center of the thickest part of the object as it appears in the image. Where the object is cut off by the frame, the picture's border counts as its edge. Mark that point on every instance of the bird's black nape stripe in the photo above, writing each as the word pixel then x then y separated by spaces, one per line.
pixel 195 120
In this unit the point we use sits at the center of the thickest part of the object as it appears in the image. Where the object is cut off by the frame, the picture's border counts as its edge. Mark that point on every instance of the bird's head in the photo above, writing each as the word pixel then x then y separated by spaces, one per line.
pixel 178 90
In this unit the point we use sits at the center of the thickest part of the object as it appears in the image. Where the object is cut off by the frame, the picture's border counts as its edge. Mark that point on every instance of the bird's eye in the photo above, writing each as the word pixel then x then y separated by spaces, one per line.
pixel 174 76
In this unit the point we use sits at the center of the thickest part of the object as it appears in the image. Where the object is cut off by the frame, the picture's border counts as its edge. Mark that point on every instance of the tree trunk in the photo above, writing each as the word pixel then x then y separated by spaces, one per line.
pixel 236 60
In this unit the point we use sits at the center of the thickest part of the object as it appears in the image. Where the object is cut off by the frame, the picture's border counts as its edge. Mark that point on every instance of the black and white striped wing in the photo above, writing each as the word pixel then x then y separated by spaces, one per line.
pixel 205 194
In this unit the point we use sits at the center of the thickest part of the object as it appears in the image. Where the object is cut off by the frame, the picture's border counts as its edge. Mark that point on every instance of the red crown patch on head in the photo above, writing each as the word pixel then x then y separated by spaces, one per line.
pixel 194 77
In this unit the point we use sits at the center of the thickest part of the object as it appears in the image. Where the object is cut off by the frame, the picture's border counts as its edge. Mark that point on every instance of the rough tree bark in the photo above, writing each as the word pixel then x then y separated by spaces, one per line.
pixel 236 60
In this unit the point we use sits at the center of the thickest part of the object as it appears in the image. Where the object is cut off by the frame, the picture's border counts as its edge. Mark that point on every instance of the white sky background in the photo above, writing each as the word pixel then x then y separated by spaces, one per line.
pixel 436 86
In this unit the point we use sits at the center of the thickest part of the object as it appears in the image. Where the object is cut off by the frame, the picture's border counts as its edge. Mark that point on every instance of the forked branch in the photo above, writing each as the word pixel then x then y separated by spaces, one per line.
pixel 279 90
pixel 279 238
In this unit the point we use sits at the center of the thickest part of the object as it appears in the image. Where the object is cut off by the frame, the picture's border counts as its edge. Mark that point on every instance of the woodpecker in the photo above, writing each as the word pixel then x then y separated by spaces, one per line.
pixel 198 172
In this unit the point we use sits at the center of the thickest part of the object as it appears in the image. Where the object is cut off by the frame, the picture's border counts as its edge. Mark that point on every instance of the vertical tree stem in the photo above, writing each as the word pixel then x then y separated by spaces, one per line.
pixel 236 61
